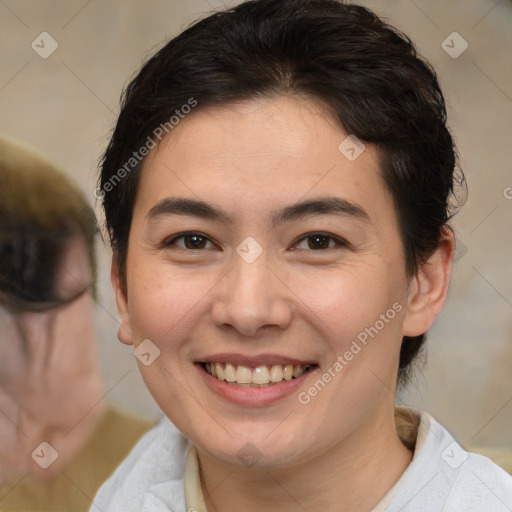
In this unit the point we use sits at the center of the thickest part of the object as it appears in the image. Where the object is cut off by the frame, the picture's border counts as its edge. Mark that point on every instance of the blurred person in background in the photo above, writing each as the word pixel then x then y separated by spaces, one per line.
pixel 59 440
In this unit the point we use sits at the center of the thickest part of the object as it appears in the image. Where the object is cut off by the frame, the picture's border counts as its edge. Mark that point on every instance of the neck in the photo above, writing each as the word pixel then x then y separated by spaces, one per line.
pixel 353 475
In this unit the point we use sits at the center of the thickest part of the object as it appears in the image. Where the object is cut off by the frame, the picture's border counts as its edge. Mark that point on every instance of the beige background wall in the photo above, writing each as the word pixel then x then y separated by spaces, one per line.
pixel 66 104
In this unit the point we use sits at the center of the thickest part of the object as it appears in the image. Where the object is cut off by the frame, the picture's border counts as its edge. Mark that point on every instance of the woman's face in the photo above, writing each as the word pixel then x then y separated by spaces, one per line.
pixel 259 244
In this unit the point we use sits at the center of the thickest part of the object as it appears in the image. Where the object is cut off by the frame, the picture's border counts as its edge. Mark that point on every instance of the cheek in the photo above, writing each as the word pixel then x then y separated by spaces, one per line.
pixel 163 301
pixel 344 298
pixel 355 305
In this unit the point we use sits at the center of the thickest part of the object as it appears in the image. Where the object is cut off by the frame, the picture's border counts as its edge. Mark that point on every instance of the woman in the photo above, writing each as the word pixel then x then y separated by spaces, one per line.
pixel 277 191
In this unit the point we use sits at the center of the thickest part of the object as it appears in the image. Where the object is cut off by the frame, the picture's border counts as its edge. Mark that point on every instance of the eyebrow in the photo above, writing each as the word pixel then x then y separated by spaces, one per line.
pixel 204 210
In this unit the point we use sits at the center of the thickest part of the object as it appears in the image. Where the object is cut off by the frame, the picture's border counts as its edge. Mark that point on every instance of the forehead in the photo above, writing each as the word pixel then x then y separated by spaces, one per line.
pixel 258 154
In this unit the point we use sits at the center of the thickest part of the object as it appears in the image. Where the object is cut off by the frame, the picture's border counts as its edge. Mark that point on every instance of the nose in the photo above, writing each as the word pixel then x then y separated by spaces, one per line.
pixel 252 297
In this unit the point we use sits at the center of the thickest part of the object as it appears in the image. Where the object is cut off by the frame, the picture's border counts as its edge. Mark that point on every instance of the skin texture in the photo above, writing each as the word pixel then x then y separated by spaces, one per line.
pixel 341 450
pixel 50 382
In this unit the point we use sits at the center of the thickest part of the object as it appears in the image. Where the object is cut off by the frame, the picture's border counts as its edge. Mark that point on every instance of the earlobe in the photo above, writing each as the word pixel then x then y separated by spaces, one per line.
pixel 124 332
pixel 429 288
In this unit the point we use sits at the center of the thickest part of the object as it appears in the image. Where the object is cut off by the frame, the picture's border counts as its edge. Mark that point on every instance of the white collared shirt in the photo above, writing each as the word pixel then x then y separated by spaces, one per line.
pixel 161 474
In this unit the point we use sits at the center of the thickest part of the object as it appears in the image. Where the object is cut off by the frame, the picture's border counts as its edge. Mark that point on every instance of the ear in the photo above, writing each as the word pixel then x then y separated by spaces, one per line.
pixel 124 332
pixel 429 288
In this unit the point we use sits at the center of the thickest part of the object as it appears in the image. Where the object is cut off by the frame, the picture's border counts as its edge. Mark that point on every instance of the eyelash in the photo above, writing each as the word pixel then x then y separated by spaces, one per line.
pixel 338 241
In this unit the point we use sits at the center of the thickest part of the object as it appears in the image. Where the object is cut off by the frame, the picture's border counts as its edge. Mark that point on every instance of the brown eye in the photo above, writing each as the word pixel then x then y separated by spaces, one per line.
pixel 194 241
pixel 191 241
pixel 319 242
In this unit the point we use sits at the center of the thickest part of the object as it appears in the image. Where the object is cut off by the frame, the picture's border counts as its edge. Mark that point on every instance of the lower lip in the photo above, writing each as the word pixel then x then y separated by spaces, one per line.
pixel 253 397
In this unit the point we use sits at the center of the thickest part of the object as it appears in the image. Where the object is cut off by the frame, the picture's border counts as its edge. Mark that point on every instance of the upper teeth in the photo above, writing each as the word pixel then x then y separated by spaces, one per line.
pixel 261 375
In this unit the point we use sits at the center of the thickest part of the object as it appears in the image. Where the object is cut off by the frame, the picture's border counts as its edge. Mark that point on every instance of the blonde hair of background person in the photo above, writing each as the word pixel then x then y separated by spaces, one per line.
pixel 278 190
pixel 51 390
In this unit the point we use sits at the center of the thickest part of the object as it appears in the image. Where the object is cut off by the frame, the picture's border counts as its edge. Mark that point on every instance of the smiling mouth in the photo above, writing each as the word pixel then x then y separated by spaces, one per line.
pixel 260 376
